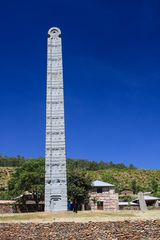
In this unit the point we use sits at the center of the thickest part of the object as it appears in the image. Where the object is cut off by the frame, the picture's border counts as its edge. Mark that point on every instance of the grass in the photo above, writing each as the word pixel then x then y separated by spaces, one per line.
pixel 79 217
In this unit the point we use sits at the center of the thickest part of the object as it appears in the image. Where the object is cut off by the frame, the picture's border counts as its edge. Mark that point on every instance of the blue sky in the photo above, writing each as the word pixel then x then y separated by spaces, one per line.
pixel 111 58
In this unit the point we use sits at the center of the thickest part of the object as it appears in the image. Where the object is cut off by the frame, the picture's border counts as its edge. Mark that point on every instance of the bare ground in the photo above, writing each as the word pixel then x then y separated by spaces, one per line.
pixel 85 216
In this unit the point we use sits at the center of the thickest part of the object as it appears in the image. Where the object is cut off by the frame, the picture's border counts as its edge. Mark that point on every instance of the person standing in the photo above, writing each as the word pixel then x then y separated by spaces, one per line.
pixel 75 206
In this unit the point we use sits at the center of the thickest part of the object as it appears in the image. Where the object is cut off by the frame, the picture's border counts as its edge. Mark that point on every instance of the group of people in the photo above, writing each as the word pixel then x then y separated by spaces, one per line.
pixel 73 206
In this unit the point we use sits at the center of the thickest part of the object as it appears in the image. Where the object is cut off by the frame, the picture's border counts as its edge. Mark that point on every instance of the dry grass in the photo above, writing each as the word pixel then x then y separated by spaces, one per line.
pixel 5 174
pixel 80 216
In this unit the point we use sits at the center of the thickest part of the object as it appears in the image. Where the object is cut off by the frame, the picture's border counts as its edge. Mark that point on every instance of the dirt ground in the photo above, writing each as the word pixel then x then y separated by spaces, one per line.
pixel 83 216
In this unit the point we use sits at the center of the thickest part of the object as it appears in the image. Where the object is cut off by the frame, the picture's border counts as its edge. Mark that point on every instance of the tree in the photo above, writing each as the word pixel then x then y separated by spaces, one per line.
pixel 131 166
pixel 154 185
pixel 28 177
pixel 78 186
pixel 11 161
pixel 134 186
pixel 94 200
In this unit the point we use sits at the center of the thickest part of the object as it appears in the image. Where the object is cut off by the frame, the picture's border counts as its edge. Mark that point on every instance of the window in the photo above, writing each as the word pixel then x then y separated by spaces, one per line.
pixel 99 190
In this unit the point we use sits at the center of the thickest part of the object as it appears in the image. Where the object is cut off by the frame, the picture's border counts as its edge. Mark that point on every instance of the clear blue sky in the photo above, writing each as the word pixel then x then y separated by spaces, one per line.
pixel 111 56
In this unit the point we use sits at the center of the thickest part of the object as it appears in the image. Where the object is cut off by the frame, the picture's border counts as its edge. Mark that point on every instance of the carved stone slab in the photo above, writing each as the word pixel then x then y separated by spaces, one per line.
pixel 55 158
pixel 142 202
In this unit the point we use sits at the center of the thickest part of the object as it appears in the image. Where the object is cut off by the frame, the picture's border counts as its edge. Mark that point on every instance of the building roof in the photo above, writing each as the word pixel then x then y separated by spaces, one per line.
pixel 26 193
pixel 148 198
pixel 32 202
pixel 98 183
pixel 127 204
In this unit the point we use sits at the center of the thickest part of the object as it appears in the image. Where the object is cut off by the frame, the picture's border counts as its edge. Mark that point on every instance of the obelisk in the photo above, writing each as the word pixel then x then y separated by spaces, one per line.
pixel 55 158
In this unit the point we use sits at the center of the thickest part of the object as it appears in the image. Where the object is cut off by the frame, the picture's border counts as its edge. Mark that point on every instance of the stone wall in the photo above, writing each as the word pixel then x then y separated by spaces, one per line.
pixel 135 230
pixel 7 208
pixel 109 199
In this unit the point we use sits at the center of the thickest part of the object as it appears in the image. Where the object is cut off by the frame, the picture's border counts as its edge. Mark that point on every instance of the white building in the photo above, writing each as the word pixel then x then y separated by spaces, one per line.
pixel 103 196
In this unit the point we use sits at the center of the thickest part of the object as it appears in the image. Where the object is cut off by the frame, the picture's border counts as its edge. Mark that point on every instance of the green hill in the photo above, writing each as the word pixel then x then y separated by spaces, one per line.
pixel 118 174
pixel 124 178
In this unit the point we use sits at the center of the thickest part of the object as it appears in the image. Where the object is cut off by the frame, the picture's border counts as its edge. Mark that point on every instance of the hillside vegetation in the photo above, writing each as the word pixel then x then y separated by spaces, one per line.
pixel 125 178
pixel 32 176
pixel 5 175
